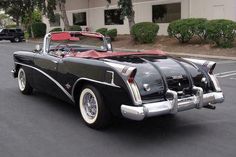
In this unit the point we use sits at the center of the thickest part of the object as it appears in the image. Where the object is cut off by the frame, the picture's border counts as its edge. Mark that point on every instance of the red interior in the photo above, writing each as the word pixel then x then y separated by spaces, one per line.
pixel 96 55
pixel 63 36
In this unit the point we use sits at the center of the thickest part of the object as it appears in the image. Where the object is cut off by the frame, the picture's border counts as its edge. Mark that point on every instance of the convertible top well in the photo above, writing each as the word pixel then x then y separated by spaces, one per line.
pixel 96 55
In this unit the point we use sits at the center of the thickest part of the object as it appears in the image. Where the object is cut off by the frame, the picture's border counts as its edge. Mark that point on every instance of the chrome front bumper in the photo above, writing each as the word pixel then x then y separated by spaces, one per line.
pixel 171 106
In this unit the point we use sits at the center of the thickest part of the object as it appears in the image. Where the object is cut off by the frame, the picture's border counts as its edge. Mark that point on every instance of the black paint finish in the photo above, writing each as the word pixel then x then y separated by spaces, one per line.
pixel 64 77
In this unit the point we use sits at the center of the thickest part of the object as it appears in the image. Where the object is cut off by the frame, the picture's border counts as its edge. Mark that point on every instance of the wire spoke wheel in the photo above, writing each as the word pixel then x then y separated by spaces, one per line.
pixel 93 109
pixel 21 80
pixel 88 105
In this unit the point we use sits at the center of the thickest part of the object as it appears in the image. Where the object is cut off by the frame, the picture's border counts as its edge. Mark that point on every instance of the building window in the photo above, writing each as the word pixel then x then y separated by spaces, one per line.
pixel 113 17
pixel 80 19
pixel 166 13
pixel 57 21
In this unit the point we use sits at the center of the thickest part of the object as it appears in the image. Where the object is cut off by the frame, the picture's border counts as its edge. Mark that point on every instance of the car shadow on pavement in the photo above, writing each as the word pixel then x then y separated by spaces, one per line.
pixel 162 128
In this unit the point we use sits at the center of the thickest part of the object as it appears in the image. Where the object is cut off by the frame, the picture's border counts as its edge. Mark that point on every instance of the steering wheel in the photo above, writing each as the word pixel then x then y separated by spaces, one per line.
pixel 64 48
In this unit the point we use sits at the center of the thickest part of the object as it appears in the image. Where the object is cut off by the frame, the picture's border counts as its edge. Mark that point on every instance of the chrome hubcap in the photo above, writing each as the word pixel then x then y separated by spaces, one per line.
pixel 90 105
pixel 22 80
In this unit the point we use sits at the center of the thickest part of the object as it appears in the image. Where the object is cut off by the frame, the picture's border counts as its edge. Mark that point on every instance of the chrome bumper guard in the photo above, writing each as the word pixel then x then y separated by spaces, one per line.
pixel 173 106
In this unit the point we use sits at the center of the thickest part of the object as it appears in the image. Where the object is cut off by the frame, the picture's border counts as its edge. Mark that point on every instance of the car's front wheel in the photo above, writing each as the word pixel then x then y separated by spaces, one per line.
pixel 23 83
pixel 93 110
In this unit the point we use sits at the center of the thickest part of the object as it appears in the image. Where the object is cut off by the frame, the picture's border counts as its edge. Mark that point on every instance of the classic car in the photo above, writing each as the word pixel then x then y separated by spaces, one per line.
pixel 82 68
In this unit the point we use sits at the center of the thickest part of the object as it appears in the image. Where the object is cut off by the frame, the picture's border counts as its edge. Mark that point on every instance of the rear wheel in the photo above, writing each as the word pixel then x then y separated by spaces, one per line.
pixel 16 39
pixel 23 83
pixel 93 110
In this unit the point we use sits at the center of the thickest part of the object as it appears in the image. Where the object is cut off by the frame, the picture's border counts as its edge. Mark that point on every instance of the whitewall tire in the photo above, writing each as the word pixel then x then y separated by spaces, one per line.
pixel 93 110
pixel 23 83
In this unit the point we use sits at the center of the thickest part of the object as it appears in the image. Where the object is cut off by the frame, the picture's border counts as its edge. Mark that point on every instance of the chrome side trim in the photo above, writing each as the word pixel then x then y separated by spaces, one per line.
pixel 61 87
pixel 91 80
pixel 48 76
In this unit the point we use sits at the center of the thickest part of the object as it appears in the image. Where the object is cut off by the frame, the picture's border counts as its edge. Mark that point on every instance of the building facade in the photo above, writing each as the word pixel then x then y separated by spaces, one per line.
pixel 95 14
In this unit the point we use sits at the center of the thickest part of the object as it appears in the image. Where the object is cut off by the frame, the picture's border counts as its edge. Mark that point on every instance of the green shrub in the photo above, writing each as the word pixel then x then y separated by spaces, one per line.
pixel 221 32
pixel 144 32
pixel 39 29
pixel 183 29
pixel 11 26
pixel 75 28
pixel 199 28
pixel 112 33
pixel 26 35
pixel 103 31
pixel 56 30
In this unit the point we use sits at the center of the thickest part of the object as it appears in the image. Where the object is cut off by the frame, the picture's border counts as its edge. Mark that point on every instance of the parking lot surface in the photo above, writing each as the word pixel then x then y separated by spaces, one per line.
pixel 42 126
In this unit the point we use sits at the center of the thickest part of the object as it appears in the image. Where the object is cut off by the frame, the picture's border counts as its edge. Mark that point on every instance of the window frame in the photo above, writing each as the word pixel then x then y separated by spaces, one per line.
pixel 167 22
pixel 105 21
pixel 86 18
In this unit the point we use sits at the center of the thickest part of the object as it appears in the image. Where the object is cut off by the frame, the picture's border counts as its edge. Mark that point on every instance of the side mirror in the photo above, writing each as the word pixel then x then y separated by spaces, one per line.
pixel 37 48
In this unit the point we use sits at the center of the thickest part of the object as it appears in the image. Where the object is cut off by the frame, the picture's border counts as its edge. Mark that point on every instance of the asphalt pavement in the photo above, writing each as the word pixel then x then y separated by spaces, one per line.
pixel 42 126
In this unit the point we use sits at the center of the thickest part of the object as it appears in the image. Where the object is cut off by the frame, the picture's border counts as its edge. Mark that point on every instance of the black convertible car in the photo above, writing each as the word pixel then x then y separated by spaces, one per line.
pixel 81 68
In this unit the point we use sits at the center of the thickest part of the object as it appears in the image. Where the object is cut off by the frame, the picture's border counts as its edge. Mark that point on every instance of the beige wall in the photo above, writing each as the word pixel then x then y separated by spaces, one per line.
pixel 210 9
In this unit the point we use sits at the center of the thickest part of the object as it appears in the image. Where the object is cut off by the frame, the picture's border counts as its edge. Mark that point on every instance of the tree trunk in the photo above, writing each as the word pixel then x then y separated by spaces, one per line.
pixel 64 15
pixel 131 20
pixel 30 25
pixel 17 21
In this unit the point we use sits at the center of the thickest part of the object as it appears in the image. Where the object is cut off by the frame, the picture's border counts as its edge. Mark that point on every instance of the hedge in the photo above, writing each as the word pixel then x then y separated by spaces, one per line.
pixel 144 32
pixel 56 30
pixel 221 32
pixel 112 33
pixel 39 29
pixel 183 29
pixel 199 28
pixel 103 31
pixel 75 28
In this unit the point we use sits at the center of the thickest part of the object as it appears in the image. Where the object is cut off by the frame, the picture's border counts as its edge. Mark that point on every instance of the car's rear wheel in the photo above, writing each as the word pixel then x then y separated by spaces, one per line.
pixel 23 83
pixel 16 39
pixel 93 110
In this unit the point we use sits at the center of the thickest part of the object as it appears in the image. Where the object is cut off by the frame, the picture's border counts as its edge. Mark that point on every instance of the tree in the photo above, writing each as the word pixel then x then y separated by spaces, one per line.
pixel 19 9
pixel 15 10
pixel 51 7
pixel 127 10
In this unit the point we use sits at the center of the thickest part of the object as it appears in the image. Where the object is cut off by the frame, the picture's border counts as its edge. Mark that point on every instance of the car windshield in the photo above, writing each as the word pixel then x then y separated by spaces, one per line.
pixel 1 30
pixel 76 43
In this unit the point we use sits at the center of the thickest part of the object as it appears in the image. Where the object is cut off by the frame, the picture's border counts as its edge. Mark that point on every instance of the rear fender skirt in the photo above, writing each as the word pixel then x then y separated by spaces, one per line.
pixel 70 96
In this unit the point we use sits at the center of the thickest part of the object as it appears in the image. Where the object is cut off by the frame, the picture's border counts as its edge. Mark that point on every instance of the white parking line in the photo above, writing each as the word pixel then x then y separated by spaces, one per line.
pixel 223 76
pixel 227 72
pixel 233 78
pixel 226 62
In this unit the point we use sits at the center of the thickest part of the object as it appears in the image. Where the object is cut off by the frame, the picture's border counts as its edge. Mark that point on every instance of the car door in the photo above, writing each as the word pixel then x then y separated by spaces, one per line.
pixel 3 34
pixel 45 75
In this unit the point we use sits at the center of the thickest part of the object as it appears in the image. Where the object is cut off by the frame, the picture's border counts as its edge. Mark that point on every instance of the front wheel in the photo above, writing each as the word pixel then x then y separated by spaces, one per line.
pixel 92 108
pixel 23 83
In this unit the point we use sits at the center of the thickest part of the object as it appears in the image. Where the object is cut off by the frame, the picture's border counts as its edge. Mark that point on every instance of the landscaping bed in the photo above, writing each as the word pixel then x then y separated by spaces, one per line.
pixel 170 44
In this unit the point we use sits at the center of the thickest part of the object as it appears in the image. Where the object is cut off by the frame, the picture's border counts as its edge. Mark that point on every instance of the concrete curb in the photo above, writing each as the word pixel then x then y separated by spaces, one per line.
pixel 171 53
